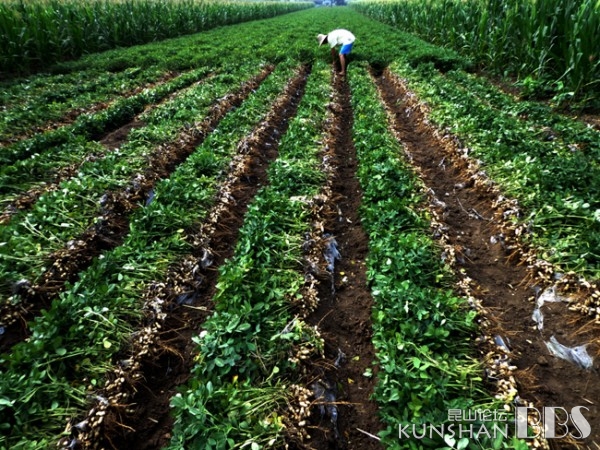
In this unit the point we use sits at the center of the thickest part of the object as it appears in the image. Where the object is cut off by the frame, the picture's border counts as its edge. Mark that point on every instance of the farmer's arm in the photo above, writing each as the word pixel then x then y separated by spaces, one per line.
pixel 333 53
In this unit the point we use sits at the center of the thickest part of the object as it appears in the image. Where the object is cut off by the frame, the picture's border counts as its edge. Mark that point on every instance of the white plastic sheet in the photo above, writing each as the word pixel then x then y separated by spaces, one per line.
pixel 577 355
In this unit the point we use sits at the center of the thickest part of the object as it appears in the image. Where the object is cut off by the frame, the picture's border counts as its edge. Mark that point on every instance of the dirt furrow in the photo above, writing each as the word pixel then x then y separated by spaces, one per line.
pixel 113 222
pixel 343 313
pixel 474 222
pixel 133 411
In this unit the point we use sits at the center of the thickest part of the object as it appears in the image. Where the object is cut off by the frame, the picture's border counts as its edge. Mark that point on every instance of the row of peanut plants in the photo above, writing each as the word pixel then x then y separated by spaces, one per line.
pixel 48 378
pixel 34 160
pixel 546 161
pixel 36 34
pixel 63 214
pixel 246 363
pixel 550 45
pixel 422 330
pixel 48 98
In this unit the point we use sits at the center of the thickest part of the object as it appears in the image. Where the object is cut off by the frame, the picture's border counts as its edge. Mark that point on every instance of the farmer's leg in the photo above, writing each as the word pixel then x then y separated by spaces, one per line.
pixel 344 51
pixel 343 63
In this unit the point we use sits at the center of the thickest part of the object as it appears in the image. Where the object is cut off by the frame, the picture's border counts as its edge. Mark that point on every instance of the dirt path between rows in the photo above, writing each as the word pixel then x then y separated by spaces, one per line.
pixel 466 204
pixel 345 306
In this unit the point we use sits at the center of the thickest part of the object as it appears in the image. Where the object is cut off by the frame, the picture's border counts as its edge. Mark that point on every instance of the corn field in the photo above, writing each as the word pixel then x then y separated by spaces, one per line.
pixel 552 44
pixel 36 34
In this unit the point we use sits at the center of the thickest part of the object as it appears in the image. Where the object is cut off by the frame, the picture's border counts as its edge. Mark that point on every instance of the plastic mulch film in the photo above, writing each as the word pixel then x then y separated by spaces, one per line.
pixel 548 296
pixel 331 252
pixel 577 355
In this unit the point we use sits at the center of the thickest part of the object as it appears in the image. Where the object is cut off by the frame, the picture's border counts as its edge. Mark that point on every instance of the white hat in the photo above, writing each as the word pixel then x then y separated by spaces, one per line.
pixel 321 38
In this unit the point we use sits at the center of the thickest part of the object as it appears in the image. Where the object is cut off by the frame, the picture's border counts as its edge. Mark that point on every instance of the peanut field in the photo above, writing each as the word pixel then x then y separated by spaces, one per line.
pixel 217 241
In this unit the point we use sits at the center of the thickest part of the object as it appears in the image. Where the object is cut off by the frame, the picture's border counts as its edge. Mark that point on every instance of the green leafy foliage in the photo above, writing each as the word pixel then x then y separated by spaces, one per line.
pixel 74 341
pixel 245 353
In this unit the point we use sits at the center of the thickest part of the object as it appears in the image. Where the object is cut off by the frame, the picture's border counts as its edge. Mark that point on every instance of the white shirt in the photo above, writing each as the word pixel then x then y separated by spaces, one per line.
pixel 340 37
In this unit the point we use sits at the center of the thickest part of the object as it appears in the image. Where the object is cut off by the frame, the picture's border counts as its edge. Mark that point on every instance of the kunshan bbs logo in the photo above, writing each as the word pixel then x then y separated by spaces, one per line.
pixel 550 422
pixel 553 422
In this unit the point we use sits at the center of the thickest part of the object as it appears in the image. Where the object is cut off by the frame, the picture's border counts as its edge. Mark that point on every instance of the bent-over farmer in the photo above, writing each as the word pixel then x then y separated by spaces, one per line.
pixel 338 37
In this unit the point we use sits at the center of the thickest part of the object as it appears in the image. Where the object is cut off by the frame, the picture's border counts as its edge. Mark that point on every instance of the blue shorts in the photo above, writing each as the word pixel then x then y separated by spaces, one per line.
pixel 346 49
